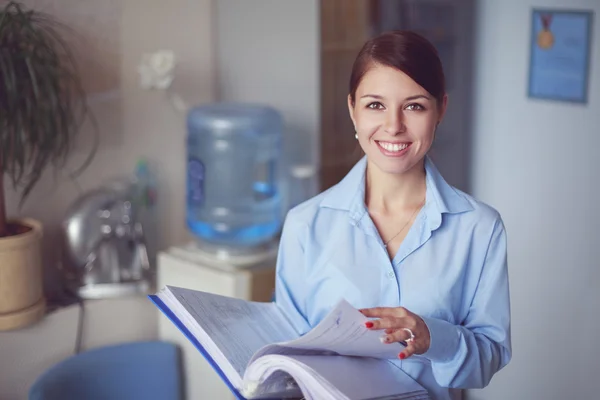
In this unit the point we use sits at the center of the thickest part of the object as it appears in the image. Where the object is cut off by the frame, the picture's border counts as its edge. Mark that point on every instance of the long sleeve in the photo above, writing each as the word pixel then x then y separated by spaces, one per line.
pixel 468 355
pixel 289 280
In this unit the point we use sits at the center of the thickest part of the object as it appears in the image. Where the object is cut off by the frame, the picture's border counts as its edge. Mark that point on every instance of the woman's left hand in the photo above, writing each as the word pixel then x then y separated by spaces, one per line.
pixel 398 323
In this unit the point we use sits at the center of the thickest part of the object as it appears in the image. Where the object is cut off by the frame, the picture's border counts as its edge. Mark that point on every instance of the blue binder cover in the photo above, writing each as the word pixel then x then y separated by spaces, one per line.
pixel 169 314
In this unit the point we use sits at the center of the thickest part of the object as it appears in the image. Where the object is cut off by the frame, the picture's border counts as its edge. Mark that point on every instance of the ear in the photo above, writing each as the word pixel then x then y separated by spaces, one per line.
pixel 351 110
pixel 442 110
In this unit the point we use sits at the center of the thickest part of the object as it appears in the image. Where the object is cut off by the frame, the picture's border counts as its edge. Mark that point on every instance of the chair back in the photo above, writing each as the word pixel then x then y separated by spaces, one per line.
pixel 140 370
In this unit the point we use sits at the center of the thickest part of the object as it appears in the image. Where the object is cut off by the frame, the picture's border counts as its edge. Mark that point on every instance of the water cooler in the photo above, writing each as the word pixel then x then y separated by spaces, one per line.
pixel 234 212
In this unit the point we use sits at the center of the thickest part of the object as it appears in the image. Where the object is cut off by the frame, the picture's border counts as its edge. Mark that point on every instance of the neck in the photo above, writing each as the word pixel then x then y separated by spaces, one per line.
pixel 387 192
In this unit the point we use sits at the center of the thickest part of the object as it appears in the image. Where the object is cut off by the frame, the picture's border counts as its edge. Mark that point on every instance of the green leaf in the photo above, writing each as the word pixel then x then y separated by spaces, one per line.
pixel 42 101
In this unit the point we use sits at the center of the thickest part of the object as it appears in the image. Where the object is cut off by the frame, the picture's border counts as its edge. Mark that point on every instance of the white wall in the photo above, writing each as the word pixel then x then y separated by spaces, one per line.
pixel 537 162
pixel 268 51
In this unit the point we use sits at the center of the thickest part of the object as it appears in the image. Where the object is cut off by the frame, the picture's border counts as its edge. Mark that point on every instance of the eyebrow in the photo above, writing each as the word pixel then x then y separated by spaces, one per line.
pixel 410 98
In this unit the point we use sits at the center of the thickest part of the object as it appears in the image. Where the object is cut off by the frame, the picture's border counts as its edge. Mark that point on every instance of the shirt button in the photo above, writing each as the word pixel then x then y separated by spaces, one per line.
pixel 391 274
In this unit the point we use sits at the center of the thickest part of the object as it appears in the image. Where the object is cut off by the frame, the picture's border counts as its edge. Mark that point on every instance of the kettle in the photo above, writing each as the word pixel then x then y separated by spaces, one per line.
pixel 105 248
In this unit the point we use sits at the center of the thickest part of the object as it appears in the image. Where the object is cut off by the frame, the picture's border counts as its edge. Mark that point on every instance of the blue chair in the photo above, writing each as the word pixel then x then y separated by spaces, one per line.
pixel 140 370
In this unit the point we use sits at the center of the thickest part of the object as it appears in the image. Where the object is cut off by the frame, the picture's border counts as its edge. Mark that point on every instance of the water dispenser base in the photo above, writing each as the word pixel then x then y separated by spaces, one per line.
pixel 228 258
pixel 189 267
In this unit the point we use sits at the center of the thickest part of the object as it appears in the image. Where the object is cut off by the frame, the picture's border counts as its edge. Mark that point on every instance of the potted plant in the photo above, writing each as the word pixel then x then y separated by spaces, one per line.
pixel 42 107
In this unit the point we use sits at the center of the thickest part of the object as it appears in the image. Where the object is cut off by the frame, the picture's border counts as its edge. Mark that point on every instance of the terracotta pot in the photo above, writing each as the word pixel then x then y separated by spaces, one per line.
pixel 21 289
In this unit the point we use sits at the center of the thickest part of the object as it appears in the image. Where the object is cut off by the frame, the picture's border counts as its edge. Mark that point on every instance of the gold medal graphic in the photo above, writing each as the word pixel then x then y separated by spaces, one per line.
pixel 545 39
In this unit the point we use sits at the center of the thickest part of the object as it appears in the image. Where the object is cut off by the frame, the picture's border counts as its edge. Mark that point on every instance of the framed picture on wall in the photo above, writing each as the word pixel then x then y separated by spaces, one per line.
pixel 560 53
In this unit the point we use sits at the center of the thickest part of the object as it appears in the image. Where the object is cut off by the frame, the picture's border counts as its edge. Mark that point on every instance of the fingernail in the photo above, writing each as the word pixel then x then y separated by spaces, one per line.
pixel 402 356
pixel 369 324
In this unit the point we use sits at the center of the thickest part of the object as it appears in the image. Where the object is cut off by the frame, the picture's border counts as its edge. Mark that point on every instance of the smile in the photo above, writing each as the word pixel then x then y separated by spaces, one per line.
pixel 393 147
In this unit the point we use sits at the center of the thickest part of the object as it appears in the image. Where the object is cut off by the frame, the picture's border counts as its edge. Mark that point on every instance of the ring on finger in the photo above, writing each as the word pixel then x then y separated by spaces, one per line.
pixel 412 335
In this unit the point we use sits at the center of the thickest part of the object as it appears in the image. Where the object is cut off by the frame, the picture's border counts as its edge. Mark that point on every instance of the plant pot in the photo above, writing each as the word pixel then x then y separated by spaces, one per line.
pixel 21 289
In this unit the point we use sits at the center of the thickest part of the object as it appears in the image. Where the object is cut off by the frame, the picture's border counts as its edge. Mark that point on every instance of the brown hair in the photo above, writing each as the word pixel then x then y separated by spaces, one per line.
pixel 406 51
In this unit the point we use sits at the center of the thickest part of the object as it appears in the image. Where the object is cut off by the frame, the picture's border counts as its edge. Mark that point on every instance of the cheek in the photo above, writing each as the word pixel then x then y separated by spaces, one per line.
pixel 422 125
pixel 367 123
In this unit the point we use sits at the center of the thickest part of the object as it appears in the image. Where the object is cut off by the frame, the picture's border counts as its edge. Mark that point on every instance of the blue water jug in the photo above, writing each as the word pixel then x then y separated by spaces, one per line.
pixel 233 197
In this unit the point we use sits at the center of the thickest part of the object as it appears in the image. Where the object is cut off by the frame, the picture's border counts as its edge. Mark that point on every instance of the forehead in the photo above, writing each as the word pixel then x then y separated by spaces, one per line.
pixel 381 80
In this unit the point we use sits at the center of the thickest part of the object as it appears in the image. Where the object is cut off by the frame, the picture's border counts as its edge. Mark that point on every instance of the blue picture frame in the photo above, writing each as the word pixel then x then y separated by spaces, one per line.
pixel 560 54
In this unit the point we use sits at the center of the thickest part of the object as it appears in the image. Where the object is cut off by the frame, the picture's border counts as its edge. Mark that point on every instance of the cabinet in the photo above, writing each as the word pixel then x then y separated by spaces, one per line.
pixel 192 269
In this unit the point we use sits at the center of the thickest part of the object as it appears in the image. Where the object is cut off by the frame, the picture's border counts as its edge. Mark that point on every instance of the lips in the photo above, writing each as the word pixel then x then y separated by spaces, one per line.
pixel 393 149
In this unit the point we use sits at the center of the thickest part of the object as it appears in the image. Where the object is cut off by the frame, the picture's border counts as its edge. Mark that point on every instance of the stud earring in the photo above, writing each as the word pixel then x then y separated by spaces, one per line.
pixel 356 136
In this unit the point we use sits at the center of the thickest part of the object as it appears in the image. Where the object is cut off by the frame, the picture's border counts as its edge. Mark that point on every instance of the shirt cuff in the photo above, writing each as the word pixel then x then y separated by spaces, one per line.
pixel 444 340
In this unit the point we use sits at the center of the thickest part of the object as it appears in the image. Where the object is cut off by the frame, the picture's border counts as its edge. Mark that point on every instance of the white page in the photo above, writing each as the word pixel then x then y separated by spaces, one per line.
pixel 342 331
pixel 237 327
pixel 342 377
pixel 362 378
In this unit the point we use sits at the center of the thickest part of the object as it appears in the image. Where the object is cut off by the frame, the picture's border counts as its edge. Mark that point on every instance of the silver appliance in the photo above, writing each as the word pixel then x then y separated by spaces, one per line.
pixel 105 247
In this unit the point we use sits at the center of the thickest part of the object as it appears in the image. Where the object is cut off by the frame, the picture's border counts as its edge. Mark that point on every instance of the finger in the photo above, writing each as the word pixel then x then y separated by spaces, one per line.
pixel 408 351
pixel 381 312
pixel 397 335
pixel 384 323
pixel 403 322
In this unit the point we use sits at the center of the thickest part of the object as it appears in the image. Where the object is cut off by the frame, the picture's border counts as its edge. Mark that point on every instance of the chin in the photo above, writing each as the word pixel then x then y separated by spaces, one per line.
pixel 396 165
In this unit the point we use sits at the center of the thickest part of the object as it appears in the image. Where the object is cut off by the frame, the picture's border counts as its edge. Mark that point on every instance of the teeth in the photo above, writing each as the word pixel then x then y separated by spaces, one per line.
pixel 393 147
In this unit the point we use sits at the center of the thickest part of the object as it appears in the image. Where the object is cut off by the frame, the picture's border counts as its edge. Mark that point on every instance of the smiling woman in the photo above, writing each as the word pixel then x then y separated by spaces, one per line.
pixel 424 260
pixel 397 98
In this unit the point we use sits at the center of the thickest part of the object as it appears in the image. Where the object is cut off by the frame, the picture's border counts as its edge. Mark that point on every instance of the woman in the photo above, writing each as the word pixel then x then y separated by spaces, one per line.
pixel 425 261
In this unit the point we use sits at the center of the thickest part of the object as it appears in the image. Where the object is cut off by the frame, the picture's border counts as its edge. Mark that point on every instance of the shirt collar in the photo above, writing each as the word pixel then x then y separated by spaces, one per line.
pixel 349 194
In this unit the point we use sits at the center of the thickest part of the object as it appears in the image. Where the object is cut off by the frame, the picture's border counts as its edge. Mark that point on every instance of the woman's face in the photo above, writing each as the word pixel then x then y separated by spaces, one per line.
pixel 395 119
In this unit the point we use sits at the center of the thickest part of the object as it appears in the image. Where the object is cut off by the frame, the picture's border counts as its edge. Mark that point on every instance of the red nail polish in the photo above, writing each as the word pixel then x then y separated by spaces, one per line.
pixel 369 324
pixel 402 356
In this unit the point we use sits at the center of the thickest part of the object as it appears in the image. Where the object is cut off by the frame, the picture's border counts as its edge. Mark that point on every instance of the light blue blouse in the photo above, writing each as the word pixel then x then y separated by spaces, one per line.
pixel 450 269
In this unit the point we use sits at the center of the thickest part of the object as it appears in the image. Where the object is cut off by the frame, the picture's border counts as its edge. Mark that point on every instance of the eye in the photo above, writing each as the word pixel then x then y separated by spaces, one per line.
pixel 375 105
pixel 415 107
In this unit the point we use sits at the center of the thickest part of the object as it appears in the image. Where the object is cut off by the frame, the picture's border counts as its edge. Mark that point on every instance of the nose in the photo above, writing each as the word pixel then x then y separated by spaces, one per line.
pixel 394 123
